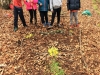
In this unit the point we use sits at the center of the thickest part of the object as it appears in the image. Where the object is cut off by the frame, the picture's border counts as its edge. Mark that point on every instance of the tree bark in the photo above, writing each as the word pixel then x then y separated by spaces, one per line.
pixel 5 3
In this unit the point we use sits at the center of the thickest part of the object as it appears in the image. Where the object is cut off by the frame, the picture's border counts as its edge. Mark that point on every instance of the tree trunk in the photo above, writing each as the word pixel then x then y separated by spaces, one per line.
pixel 5 3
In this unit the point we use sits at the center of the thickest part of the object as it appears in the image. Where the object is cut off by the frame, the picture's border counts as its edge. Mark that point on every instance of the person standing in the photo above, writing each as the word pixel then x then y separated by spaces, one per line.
pixel 43 9
pixel 55 7
pixel 31 6
pixel 18 11
pixel 73 6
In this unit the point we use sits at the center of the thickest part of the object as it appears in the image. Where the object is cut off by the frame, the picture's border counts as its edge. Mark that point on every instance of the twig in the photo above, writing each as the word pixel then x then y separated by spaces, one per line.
pixel 3 65
pixel 2 71
pixel 21 50
pixel 80 44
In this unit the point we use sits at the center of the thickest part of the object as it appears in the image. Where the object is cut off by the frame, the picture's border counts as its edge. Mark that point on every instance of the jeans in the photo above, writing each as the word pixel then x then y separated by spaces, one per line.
pixel 18 11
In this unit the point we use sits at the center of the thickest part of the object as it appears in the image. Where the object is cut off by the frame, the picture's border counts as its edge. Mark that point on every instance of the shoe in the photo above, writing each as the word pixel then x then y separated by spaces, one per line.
pixel 31 23
pixel 15 29
pixel 35 24
pixel 44 24
pixel 25 26
pixel 71 26
pixel 77 25
pixel 50 26
pixel 58 25
pixel 35 21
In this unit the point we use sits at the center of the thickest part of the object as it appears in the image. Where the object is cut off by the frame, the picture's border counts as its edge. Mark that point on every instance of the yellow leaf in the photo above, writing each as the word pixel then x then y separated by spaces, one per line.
pixel 70 31
pixel 29 36
pixel 53 51
pixel 98 25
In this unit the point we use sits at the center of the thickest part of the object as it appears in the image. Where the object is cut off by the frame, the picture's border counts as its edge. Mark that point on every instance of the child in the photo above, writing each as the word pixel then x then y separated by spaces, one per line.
pixel 55 6
pixel 31 6
pixel 73 6
pixel 43 9
pixel 18 11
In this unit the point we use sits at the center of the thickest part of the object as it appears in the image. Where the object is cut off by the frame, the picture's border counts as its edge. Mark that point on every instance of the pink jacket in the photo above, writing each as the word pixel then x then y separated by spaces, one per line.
pixel 32 4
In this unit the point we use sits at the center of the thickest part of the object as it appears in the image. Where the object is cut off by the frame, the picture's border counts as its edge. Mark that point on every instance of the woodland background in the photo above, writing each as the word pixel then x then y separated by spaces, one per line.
pixel 79 48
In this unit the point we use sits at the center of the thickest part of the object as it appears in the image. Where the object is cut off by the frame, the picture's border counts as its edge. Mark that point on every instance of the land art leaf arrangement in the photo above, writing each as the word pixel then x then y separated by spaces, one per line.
pixel 73 51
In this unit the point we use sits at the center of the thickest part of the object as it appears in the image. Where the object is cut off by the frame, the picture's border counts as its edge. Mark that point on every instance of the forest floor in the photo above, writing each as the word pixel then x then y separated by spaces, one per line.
pixel 79 48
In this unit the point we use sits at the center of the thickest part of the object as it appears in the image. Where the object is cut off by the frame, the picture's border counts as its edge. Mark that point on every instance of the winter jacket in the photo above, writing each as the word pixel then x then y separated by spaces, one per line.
pixel 31 6
pixel 54 4
pixel 73 4
pixel 17 3
pixel 45 4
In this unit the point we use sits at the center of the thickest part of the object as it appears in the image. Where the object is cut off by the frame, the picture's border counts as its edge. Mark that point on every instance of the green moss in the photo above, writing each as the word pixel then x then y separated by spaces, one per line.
pixel 94 1
pixel 98 11
pixel 95 7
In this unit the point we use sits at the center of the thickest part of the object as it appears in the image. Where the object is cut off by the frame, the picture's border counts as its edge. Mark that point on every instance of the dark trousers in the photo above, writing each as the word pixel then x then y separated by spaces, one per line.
pixel 44 16
pixel 18 11
pixel 33 14
pixel 58 11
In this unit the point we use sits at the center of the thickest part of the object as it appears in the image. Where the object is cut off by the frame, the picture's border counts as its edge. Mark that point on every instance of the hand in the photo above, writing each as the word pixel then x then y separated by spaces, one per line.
pixel 52 10
pixel 40 4
pixel 31 4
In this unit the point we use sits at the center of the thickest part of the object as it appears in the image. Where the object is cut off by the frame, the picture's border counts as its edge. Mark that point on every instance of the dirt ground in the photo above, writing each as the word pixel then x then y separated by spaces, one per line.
pixel 79 48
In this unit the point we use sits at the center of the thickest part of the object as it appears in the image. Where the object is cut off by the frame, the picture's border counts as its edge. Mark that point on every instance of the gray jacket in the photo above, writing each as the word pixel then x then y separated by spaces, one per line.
pixel 54 4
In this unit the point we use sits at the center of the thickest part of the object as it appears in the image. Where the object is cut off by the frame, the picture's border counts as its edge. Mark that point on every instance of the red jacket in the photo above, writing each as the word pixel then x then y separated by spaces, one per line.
pixel 17 3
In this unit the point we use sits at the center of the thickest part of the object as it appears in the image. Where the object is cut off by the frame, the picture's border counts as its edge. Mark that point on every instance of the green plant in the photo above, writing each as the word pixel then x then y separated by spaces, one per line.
pixel 55 69
pixel 94 1
pixel 95 7
pixel 98 11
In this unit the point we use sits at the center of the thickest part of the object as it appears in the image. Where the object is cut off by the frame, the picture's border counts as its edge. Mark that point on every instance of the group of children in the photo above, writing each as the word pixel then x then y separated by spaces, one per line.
pixel 44 6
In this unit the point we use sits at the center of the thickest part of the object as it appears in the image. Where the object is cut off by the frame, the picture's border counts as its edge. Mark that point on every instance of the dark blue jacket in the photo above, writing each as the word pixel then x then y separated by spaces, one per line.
pixel 73 4
pixel 45 4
